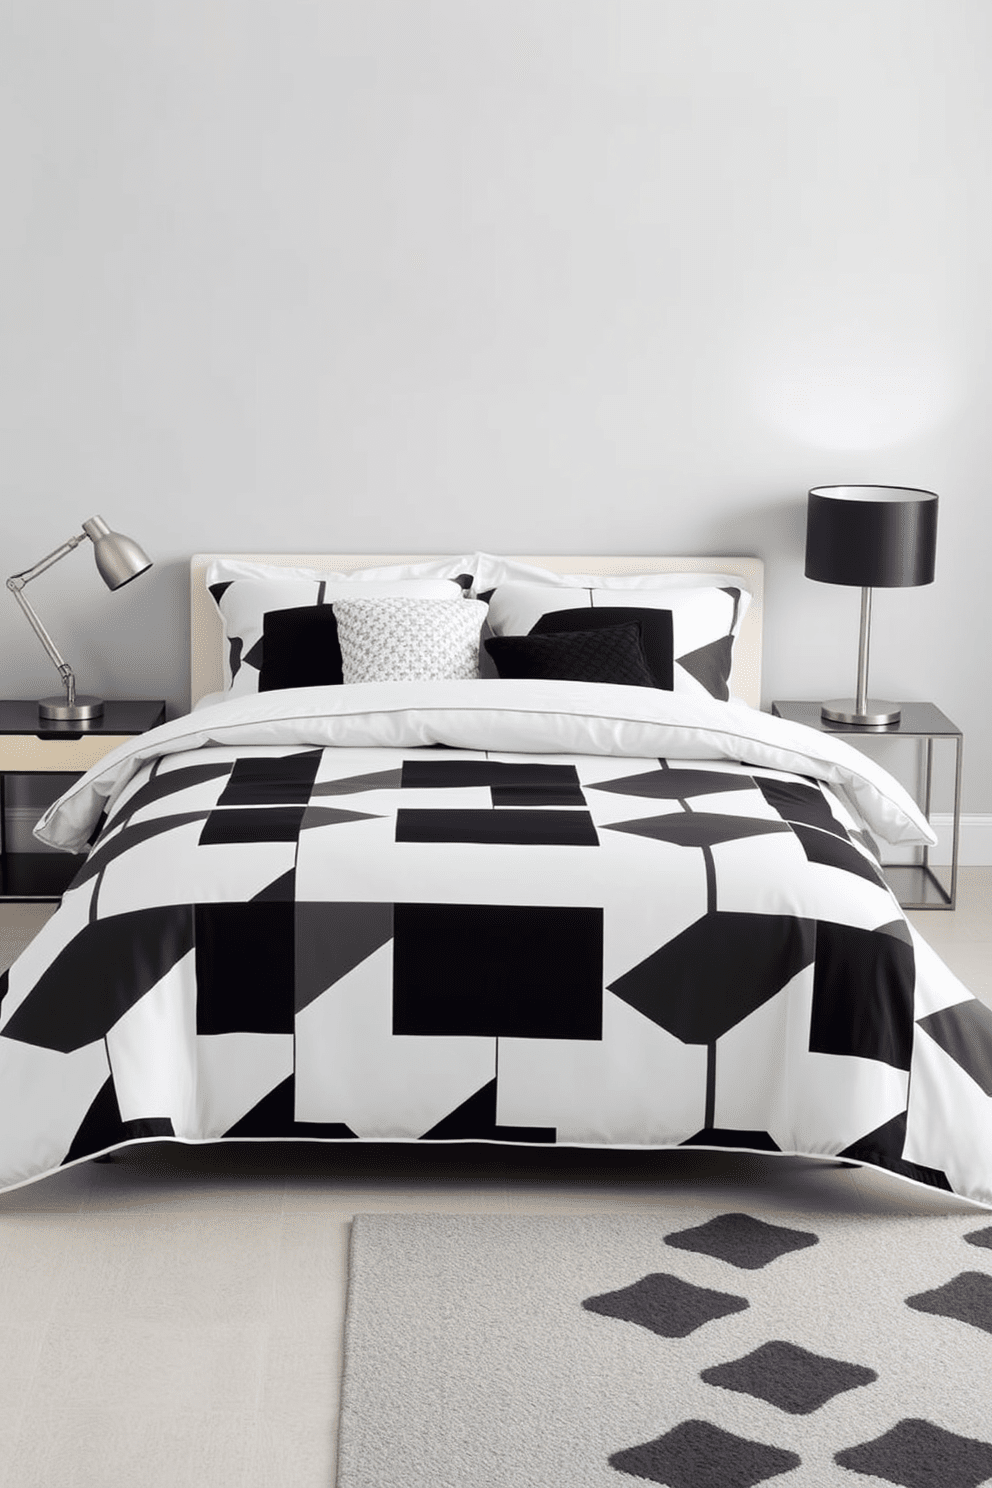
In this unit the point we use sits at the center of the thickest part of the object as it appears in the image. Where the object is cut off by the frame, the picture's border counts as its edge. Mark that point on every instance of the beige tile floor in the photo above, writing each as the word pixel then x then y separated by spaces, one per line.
pixel 175 1317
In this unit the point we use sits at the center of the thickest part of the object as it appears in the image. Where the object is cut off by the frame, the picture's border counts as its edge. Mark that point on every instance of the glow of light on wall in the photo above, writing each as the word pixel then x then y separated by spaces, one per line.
pixel 845 391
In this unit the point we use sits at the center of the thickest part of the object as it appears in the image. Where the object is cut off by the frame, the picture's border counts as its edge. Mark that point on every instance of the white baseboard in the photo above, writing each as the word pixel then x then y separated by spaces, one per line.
pixel 975 848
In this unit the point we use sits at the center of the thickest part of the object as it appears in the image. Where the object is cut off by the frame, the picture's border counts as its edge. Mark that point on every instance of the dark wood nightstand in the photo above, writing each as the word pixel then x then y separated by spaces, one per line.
pixel 915 885
pixel 31 746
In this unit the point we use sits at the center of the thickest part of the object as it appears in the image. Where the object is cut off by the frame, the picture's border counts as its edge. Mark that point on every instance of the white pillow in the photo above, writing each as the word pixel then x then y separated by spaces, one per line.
pixel 408 640
pixel 489 571
pixel 247 605
pixel 222 569
pixel 705 621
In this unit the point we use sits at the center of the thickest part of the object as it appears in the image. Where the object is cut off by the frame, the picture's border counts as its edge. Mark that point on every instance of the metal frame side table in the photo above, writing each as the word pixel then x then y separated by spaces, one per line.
pixel 915 885
pixel 32 746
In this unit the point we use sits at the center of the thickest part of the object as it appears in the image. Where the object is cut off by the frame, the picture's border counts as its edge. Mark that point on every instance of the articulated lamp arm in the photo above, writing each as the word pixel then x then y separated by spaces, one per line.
pixel 16 585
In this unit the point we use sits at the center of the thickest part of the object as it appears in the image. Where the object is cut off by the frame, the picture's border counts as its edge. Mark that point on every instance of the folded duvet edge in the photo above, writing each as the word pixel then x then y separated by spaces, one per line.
pixel 518 716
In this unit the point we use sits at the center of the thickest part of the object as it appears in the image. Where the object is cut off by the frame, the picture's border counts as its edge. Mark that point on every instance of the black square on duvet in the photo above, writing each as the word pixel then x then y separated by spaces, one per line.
pixel 516 971
pixel 245 967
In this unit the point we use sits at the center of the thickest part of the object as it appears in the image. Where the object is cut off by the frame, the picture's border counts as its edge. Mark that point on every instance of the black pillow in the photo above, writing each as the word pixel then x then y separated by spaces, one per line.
pixel 655 627
pixel 300 649
pixel 613 653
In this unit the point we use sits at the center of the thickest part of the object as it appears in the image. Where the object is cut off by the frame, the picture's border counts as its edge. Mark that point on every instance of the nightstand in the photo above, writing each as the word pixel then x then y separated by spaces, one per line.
pixel 30 746
pixel 915 885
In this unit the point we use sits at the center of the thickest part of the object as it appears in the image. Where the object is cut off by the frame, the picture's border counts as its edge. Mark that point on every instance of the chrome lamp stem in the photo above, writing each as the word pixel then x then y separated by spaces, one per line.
pixel 861 701
pixel 859 710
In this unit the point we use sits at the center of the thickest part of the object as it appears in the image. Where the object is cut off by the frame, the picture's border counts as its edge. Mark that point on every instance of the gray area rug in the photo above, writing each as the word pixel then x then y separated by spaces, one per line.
pixel 699 1347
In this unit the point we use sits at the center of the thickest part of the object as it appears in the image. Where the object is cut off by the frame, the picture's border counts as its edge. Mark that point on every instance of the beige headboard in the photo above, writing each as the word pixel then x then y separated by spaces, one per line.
pixel 207 636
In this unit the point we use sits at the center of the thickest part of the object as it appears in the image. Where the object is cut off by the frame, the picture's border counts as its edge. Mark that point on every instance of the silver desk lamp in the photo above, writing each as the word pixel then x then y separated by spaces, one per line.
pixel 119 560
pixel 869 536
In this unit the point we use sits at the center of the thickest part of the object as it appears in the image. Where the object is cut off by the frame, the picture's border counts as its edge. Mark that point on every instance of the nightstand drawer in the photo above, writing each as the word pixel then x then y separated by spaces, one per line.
pixel 29 747
pixel 28 753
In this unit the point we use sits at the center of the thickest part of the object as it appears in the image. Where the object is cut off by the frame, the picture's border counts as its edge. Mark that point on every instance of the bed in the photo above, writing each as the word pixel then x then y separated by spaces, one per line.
pixel 592 896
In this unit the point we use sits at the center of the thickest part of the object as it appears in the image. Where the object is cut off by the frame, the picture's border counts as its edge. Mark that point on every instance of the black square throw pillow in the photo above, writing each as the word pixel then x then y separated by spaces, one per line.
pixel 300 649
pixel 655 627
pixel 612 653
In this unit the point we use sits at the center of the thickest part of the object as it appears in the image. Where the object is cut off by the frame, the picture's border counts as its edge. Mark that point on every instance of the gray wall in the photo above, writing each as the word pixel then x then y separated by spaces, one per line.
pixel 526 275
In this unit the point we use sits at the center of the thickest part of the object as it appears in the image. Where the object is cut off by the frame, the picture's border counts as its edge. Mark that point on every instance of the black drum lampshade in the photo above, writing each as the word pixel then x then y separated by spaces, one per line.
pixel 871 537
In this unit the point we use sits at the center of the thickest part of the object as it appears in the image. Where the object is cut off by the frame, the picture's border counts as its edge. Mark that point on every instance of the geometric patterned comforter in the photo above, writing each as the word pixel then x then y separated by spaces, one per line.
pixel 398 941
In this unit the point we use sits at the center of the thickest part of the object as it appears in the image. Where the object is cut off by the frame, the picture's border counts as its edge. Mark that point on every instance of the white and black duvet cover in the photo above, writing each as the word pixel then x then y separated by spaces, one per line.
pixel 499 911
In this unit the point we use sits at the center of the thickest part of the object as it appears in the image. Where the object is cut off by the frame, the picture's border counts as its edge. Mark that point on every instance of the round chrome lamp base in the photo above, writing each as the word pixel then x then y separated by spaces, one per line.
pixel 57 709
pixel 878 713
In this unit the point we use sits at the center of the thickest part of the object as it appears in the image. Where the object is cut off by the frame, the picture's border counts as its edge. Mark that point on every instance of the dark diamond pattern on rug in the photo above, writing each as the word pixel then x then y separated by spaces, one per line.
pixel 967 1298
pixel 980 1237
pixel 666 1305
pixel 916 1454
pixel 696 1454
pixel 741 1240
pixel 789 1377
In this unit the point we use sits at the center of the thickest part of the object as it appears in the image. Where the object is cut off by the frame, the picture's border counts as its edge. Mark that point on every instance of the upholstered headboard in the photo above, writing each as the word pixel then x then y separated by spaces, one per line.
pixel 207 636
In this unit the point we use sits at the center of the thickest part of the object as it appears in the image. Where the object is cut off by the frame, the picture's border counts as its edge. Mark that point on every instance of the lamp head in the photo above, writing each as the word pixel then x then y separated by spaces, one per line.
pixel 118 558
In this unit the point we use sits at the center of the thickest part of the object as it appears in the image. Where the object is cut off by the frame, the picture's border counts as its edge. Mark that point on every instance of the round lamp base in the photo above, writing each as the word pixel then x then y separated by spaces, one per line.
pixel 57 709
pixel 878 713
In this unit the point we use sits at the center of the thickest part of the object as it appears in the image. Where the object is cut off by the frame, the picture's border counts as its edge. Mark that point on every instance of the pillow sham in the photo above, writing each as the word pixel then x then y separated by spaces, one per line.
pixel 608 653
pixel 402 639
pixel 282 632
pixel 460 568
pixel 489 571
pixel 704 622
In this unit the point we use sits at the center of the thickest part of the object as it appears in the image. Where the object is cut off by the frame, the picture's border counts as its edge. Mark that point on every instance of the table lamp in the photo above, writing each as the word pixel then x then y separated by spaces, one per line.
pixel 872 537
pixel 119 560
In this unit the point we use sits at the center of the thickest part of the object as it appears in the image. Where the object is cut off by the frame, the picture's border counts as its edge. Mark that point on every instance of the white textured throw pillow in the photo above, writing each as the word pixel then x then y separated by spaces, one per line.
pixel 408 640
